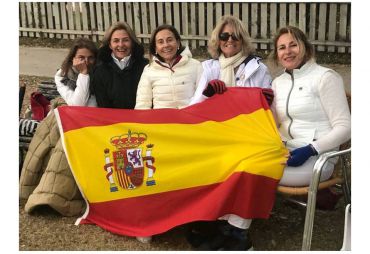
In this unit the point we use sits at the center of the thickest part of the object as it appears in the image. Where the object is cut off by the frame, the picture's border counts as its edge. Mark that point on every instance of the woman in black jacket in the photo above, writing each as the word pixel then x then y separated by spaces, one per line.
pixel 120 64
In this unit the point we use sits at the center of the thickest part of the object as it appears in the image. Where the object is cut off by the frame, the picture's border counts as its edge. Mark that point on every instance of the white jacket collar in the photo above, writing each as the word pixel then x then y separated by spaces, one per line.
pixel 253 65
pixel 306 68
pixel 123 63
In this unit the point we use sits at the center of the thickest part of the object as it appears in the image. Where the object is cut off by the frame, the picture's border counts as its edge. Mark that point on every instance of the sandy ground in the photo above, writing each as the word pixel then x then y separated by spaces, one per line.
pixel 46 230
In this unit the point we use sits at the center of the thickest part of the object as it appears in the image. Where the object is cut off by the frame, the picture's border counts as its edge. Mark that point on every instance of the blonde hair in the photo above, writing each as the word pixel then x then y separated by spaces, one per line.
pixel 240 31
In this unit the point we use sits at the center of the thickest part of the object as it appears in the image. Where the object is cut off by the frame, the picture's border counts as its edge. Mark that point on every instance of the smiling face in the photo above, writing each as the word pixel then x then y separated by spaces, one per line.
pixel 120 44
pixel 230 47
pixel 289 52
pixel 166 45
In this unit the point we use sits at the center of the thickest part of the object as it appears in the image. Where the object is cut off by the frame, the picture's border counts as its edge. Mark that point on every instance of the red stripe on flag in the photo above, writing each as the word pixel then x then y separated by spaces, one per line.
pixel 240 100
pixel 154 214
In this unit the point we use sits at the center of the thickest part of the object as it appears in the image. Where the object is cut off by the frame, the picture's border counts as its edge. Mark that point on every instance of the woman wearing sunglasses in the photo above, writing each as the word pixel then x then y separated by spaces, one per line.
pixel 232 63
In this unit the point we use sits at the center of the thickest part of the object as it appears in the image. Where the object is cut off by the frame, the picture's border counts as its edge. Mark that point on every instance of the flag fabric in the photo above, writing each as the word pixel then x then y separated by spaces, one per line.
pixel 143 172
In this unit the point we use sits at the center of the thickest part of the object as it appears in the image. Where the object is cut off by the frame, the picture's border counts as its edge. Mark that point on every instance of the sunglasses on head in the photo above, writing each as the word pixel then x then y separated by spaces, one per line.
pixel 226 36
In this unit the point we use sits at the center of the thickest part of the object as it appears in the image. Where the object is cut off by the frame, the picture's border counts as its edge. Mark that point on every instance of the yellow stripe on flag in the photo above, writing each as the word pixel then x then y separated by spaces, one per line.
pixel 198 150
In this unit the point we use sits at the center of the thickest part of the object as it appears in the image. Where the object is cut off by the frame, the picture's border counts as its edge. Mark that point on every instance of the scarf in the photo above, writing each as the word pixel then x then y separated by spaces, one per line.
pixel 228 65
pixel 71 78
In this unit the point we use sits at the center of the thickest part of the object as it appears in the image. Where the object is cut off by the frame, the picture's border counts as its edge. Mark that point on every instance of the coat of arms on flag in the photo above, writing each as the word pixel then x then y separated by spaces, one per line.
pixel 128 167
pixel 211 161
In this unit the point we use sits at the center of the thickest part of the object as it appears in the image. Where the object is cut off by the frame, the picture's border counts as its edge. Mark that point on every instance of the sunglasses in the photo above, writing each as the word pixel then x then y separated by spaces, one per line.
pixel 226 36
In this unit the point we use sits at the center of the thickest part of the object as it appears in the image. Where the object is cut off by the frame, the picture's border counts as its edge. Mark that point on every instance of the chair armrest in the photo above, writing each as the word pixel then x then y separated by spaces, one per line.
pixel 311 202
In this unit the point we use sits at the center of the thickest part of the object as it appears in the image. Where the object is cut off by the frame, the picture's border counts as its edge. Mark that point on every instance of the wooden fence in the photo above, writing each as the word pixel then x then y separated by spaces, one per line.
pixel 328 25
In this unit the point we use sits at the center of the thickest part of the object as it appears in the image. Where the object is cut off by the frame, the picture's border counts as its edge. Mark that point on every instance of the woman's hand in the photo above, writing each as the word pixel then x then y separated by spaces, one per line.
pixel 214 86
pixel 269 95
pixel 81 65
pixel 301 155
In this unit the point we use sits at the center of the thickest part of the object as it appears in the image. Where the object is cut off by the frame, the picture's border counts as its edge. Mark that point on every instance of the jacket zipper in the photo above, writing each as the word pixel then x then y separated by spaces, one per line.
pixel 287 111
pixel 172 86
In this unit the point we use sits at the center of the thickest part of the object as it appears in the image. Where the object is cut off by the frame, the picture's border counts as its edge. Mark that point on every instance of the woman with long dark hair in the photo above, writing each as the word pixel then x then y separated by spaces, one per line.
pixel 73 78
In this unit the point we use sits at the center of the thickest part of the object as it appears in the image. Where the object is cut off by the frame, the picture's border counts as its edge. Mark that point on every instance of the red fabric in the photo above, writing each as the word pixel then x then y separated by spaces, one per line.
pixel 236 195
pixel 245 100
pixel 40 106
pixel 269 95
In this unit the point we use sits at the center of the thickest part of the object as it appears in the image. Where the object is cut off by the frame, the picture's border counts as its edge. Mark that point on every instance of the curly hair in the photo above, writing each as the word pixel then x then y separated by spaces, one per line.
pixel 307 50
pixel 79 43
pixel 240 31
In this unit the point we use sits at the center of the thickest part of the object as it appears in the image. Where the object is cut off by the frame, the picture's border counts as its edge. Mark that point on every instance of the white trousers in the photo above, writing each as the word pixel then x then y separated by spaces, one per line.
pixel 301 176
pixel 237 221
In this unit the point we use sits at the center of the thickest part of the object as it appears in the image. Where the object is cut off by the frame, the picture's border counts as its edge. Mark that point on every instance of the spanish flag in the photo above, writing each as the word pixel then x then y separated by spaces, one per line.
pixel 143 172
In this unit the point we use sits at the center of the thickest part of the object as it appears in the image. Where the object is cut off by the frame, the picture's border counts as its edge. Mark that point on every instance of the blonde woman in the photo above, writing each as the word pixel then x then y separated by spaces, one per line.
pixel 232 63
pixel 311 108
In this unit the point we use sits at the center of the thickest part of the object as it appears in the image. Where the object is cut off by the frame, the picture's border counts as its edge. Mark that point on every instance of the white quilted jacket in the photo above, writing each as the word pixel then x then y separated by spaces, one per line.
pixel 311 107
pixel 159 87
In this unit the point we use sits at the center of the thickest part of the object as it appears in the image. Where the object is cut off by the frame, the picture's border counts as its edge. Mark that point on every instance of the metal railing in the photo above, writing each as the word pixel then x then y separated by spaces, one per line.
pixel 311 203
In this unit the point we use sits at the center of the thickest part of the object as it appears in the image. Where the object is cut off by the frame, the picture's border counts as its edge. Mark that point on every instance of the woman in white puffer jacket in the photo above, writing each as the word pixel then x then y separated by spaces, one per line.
pixel 310 107
pixel 171 78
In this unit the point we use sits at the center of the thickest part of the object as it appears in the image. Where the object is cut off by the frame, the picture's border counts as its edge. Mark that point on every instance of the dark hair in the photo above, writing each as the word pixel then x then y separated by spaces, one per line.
pixel 79 43
pixel 307 50
pixel 172 29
